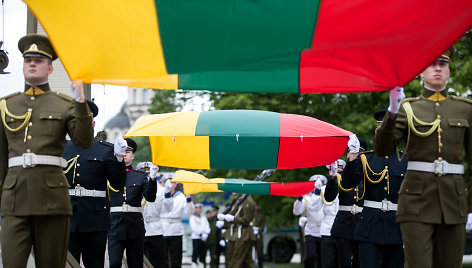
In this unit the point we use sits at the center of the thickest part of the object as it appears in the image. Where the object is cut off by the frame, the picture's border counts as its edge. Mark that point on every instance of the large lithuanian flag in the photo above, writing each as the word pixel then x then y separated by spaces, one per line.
pixel 302 46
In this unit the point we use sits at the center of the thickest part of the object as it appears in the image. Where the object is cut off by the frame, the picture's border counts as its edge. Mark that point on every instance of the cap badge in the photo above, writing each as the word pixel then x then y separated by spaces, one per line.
pixel 33 47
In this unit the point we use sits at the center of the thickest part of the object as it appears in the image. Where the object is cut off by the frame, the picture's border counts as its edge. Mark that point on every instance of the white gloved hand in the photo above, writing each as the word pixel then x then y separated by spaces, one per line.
pixel 468 225
pixel 333 170
pixel 204 237
pixel 120 146
pixel 229 218
pixel 222 243
pixel 167 186
pixel 318 184
pixel 353 144
pixel 256 230
pixel 302 221
pixel 77 88
pixel 220 224
pixel 220 217
pixel 397 94
pixel 153 171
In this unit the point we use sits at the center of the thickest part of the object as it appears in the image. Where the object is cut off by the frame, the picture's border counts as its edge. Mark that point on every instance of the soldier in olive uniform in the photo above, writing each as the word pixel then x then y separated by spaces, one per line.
pixel 87 173
pixel 259 226
pixel 35 203
pixel 433 204
pixel 127 223
pixel 379 236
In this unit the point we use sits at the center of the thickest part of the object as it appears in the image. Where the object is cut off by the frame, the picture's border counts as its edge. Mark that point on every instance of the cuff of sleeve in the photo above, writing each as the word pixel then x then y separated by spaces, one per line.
pixel 167 195
pixel 300 198
pixel 189 200
pixel 388 123
pixel 82 109
pixel 317 191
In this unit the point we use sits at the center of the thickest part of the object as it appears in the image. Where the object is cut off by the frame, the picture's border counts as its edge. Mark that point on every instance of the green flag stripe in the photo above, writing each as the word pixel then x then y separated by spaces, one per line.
pixel 229 41
pixel 232 185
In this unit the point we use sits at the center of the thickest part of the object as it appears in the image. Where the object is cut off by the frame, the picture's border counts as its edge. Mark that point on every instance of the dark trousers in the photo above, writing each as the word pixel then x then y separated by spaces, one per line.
pixel 260 251
pixel 174 249
pixel 328 252
pixel 381 256
pixel 48 235
pixel 155 251
pixel 91 245
pixel 216 259
pixel 198 251
pixel 134 252
pixel 242 255
pixel 348 253
pixel 437 245
pixel 312 251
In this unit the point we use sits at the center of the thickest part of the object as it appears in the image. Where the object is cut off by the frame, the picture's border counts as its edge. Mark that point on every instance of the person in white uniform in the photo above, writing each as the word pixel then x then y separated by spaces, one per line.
pixel 200 229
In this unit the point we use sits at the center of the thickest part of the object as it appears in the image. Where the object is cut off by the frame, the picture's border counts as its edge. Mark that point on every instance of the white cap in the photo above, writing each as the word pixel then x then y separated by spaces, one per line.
pixel 319 177
pixel 144 165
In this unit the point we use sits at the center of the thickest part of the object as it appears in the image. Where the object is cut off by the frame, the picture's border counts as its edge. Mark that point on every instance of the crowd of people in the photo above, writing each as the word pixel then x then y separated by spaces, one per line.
pixel 380 208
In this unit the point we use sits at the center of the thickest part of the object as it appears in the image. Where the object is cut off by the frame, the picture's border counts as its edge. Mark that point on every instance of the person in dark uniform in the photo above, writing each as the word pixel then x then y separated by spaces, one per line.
pixel 433 204
pixel 379 236
pixel 350 205
pixel 35 203
pixel 127 223
pixel 259 227
pixel 87 173
pixel 214 238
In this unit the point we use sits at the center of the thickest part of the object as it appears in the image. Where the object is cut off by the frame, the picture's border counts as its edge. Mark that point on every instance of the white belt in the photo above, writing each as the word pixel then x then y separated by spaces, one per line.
pixel 437 167
pixel 126 208
pixel 385 205
pixel 173 220
pixel 81 191
pixel 149 219
pixel 353 209
pixel 31 159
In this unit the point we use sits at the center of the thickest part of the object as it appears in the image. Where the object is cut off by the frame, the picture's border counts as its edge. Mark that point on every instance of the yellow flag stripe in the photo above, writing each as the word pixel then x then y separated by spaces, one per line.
pixel 193 151
pixel 170 124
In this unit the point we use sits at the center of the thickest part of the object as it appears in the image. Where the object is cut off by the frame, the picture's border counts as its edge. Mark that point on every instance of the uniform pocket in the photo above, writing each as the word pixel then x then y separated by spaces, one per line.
pixel 57 191
pixel 462 197
pixel 50 123
pixel 458 128
pixel 409 198
pixel 9 191
pixel 363 225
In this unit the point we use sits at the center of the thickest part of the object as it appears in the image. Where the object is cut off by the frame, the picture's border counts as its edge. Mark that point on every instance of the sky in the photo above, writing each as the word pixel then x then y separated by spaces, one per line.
pixel 109 99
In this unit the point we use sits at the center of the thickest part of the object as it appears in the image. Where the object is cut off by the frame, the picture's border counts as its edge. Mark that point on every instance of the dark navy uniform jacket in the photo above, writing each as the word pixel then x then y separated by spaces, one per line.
pixel 94 167
pixel 376 226
pixel 130 225
pixel 345 221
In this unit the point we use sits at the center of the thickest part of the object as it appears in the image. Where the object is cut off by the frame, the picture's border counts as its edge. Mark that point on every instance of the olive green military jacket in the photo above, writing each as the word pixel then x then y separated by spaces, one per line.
pixel 425 196
pixel 40 190
pixel 241 228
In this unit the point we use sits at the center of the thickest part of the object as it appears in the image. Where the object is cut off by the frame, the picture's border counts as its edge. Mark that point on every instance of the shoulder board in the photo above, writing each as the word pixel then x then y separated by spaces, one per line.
pixel 105 143
pixel 63 96
pixel 367 152
pixel 462 99
pixel 11 95
pixel 411 99
pixel 140 171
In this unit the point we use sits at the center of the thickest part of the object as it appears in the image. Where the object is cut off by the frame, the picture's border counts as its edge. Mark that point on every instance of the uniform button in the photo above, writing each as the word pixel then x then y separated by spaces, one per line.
pixel 30 110
pixel 78 175
pixel 386 167
pixel 401 175
pixel 406 190
pixel 134 184
pixel 32 98
pixel 61 183
pixel 441 145
pixel 437 104
pixel 386 157
pixel 124 202
pixel 50 117
pixel 385 188
pixel 459 124
pixel 28 150
pixel 94 158
pixel 30 124
pixel 439 116
pixel 78 155
pixel 105 207
pixel 11 119
pixel 78 164
pixel 29 137
pixel 440 158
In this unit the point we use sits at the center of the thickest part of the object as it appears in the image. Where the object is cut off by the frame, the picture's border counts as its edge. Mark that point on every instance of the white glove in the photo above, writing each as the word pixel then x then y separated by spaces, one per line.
pixel 397 94
pixel 204 237
pixel 468 225
pixel 222 243
pixel 302 221
pixel 220 217
pixel 77 88
pixel 220 224
pixel 167 186
pixel 120 146
pixel 256 230
pixel 353 144
pixel 153 171
pixel 333 170
pixel 318 184
pixel 229 218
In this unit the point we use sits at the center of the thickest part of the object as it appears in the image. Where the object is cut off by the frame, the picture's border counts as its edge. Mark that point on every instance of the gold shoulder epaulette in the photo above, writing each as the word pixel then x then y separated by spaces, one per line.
pixel 63 96
pixel 411 99
pixel 462 99
pixel 11 95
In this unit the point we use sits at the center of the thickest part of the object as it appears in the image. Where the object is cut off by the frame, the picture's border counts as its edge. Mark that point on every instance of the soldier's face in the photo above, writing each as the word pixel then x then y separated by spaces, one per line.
pixel 36 70
pixel 436 75
pixel 128 157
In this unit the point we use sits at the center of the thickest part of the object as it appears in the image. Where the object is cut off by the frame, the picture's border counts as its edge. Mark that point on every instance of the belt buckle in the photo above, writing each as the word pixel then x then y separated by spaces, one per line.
pixel 28 160
pixel 78 191
pixel 385 205
pixel 125 208
pixel 438 167
pixel 353 209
